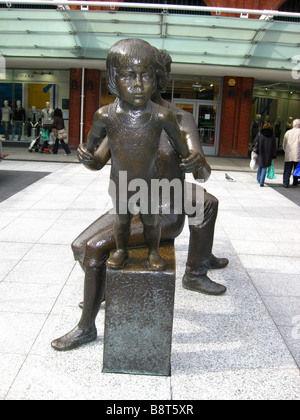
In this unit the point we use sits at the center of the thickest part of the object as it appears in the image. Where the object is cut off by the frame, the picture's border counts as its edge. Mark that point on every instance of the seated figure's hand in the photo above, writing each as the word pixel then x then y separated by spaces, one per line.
pixel 196 164
pixel 87 159
pixel 193 162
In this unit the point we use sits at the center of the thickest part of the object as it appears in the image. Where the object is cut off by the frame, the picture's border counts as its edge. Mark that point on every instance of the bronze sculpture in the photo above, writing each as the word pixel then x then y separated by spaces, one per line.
pixel 93 246
pixel 133 125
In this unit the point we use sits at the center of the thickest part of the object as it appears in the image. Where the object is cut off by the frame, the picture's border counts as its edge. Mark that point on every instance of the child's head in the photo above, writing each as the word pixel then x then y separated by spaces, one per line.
pixel 132 52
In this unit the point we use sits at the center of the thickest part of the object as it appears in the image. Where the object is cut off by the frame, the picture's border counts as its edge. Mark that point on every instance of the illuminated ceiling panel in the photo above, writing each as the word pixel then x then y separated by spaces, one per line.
pixel 209 40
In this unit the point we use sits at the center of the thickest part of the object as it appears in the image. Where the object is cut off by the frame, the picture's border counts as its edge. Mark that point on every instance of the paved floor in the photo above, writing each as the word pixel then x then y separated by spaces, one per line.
pixel 12 182
pixel 242 345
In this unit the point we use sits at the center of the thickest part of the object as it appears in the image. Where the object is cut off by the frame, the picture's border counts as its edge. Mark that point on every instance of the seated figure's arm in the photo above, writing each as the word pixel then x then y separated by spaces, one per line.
pixel 176 135
pixel 197 163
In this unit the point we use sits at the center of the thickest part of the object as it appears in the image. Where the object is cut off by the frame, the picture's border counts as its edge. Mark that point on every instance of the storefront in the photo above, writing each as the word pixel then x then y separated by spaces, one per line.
pixel 33 89
pixel 24 97
pixel 199 95
pixel 210 99
pixel 218 59
pixel 277 103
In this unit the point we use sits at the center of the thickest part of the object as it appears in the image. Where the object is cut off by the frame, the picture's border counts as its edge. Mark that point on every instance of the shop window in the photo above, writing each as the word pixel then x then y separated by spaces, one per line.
pixel 193 87
pixel 26 92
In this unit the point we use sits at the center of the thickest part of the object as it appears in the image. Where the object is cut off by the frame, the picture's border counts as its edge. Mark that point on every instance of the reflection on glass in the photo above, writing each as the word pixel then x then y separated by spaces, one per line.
pixel 207 124
pixel 186 107
pixel 193 87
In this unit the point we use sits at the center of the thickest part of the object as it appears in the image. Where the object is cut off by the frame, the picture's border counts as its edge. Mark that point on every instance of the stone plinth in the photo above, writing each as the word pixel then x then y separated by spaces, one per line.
pixel 139 315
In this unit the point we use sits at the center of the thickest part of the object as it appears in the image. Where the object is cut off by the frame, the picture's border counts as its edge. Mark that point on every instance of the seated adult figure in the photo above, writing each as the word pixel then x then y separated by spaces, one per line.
pixel 93 246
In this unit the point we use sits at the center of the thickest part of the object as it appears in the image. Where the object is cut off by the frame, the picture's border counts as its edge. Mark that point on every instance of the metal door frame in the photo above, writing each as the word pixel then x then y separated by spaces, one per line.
pixel 208 150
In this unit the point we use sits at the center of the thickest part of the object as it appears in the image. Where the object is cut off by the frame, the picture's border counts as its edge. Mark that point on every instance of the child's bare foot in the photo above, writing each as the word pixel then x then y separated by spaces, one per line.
pixel 117 259
pixel 156 262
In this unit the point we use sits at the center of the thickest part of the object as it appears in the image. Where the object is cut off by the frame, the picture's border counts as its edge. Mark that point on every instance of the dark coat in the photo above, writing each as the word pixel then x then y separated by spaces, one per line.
pixel 265 147
pixel 58 123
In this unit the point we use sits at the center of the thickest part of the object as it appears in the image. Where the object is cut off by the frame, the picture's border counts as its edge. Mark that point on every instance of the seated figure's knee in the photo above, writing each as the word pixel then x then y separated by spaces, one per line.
pixel 211 203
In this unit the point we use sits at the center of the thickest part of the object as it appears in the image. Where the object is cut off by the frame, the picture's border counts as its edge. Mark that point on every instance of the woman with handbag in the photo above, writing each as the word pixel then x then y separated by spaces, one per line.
pixel 60 132
pixel 265 147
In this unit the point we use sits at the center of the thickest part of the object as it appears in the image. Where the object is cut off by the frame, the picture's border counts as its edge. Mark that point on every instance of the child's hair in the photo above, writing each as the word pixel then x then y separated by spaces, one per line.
pixel 130 51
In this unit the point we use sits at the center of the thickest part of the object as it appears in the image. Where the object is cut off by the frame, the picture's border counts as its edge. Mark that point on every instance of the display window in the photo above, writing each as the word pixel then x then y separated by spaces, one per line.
pixel 201 96
pixel 277 103
pixel 27 102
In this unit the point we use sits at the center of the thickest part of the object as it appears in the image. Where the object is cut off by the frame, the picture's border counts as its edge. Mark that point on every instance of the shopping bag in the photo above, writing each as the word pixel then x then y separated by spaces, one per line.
pixel 253 161
pixel 297 171
pixel 271 172
pixel 62 134
pixel 45 134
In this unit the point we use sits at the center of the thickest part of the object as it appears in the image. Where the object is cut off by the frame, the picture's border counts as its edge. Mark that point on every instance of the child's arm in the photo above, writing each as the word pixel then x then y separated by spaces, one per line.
pixel 95 161
pixel 97 133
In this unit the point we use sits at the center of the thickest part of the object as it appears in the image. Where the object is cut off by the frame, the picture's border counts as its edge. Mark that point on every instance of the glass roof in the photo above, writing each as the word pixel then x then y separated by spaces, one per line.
pixel 190 39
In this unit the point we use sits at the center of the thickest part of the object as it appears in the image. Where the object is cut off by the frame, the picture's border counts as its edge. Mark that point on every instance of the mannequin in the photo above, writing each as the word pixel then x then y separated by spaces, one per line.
pixel 47 116
pixel 18 120
pixel 6 118
pixel 47 121
pixel 33 122
pixel 255 126
pixel 289 124
pixel 277 127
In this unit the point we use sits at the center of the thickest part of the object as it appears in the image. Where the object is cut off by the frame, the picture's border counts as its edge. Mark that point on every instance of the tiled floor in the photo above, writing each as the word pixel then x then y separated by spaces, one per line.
pixel 242 345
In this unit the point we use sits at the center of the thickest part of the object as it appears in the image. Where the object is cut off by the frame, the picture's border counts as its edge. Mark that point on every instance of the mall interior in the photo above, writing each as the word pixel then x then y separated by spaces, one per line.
pixel 235 65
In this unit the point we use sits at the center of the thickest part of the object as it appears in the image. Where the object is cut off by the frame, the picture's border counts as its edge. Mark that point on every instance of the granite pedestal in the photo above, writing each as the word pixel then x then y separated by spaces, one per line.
pixel 139 315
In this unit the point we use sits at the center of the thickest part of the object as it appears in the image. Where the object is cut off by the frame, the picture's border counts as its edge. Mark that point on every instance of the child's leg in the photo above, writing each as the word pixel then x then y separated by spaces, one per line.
pixel 121 232
pixel 152 236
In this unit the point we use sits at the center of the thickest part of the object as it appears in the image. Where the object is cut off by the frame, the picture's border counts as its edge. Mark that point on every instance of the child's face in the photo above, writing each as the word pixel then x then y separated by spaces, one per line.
pixel 136 83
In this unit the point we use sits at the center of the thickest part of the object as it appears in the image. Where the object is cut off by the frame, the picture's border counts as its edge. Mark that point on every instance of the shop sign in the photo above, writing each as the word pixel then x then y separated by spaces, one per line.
pixel 231 82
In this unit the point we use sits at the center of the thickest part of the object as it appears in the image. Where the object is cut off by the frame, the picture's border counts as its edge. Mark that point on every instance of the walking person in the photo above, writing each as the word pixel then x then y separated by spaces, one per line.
pixel 61 133
pixel 291 147
pixel 265 147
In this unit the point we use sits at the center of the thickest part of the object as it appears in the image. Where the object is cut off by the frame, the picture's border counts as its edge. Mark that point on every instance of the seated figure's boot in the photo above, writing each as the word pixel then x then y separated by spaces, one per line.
pixel 202 284
pixel 217 263
pixel 75 338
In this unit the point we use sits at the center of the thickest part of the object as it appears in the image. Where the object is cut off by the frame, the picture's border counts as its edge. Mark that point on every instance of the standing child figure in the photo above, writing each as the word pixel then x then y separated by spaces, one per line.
pixel 61 133
pixel 133 124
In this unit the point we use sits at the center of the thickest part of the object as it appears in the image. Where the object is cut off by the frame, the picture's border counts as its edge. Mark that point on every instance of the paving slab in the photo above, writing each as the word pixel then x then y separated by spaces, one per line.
pixel 243 345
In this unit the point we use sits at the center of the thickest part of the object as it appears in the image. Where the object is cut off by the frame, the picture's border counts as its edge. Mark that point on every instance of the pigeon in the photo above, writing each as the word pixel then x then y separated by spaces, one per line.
pixel 229 178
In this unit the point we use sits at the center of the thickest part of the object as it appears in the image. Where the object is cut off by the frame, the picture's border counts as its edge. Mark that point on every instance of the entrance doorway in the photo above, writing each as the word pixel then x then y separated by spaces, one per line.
pixel 207 116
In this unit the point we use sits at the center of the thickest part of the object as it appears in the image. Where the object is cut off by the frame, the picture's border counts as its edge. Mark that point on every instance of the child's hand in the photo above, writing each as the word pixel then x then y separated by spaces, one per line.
pixel 193 162
pixel 89 161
